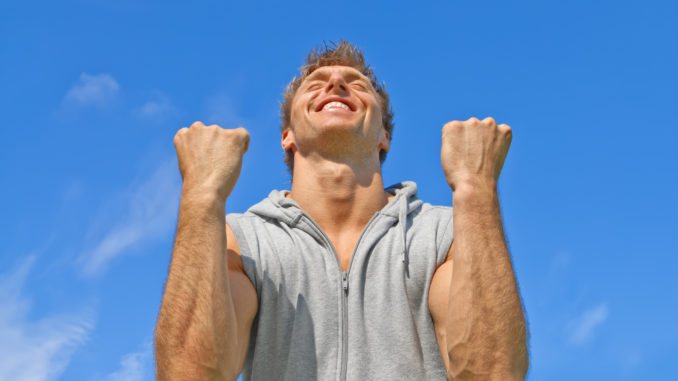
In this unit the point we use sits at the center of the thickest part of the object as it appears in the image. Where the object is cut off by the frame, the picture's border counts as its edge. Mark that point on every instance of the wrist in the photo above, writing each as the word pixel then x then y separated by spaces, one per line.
pixel 201 196
pixel 474 187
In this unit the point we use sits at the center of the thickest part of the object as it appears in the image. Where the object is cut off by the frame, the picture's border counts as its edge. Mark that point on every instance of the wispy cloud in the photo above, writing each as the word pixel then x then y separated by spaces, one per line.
pixel 35 350
pixel 632 359
pixel 158 108
pixel 150 211
pixel 221 110
pixel 90 89
pixel 133 366
pixel 582 328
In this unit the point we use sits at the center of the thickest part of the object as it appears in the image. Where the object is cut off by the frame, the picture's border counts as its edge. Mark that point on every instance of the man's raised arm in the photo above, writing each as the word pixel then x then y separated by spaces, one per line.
pixel 208 306
pixel 474 298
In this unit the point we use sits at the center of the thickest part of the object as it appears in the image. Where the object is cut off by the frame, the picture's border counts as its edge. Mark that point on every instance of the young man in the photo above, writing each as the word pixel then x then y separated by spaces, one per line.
pixel 339 278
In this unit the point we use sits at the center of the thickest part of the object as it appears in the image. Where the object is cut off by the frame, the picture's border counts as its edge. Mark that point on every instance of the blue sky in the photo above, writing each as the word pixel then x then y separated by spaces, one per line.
pixel 93 92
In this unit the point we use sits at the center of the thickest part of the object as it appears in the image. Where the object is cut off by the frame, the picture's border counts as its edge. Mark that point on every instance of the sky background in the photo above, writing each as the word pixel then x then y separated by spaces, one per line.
pixel 92 93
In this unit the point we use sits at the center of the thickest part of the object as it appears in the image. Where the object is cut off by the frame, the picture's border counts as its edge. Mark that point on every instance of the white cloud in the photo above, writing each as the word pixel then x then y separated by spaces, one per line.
pixel 133 366
pixel 582 328
pixel 150 212
pixel 159 108
pixel 92 90
pixel 35 350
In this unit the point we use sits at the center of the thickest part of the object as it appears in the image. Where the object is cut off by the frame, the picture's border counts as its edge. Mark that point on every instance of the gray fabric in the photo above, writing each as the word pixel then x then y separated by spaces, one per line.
pixel 308 327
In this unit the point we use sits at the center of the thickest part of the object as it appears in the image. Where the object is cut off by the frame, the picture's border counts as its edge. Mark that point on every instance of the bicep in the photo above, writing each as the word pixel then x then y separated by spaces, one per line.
pixel 243 294
pixel 438 301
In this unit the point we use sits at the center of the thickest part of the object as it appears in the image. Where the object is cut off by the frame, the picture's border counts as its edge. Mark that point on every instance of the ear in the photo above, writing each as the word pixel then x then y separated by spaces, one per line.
pixel 384 140
pixel 287 140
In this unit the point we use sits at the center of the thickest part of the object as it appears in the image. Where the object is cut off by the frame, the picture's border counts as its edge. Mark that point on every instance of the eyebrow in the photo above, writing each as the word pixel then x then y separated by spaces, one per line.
pixel 350 75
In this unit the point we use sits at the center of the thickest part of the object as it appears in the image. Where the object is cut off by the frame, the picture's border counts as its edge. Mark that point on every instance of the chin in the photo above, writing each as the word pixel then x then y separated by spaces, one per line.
pixel 338 124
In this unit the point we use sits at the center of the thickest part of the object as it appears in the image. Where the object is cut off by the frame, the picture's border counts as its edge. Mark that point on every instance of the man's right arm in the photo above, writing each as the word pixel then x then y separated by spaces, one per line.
pixel 208 306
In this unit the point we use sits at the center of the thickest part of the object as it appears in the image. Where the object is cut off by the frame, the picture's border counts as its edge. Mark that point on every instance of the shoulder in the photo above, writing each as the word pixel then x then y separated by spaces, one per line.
pixel 436 217
pixel 436 211
pixel 435 222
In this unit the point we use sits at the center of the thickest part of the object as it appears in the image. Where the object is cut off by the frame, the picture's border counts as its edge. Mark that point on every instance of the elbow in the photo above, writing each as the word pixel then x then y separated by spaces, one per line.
pixel 521 355
pixel 514 366
pixel 188 359
pixel 522 362
pixel 514 362
pixel 509 364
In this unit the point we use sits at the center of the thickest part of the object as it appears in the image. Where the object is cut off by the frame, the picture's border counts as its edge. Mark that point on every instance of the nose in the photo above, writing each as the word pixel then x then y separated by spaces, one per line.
pixel 336 84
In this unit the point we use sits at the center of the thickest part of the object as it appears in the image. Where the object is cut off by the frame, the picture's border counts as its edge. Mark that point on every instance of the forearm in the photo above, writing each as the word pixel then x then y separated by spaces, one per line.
pixel 196 330
pixel 486 333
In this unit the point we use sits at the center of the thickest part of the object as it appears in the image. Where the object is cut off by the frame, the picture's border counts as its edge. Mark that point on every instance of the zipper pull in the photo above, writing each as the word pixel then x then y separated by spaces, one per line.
pixel 344 281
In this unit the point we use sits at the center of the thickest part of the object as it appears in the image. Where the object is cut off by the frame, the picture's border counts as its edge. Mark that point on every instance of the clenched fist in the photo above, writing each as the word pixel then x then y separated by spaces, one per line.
pixel 210 157
pixel 473 152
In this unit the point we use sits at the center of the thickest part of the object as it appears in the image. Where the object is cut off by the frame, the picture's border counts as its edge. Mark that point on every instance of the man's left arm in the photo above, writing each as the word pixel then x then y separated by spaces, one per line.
pixel 474 298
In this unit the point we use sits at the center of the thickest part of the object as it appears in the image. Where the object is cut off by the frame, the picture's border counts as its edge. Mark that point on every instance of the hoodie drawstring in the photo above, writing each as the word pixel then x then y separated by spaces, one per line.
pixel 402 220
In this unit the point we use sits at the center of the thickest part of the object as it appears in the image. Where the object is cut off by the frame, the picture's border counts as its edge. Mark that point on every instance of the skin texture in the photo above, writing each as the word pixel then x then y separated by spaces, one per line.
pixel 337 174
pixel 206 314
pixel 208 306
pixel 474 298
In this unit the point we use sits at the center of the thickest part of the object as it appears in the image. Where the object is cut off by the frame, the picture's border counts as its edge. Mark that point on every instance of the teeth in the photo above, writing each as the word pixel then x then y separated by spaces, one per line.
pixel 336 104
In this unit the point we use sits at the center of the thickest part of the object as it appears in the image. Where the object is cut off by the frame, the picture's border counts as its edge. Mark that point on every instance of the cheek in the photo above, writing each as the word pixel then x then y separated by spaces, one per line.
pixel 300 104
pixel 295 110
pixel 376 112
pixel 375 104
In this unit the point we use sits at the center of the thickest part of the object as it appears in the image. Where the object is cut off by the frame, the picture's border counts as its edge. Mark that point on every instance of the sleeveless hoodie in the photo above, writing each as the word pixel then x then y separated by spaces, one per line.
pixel 316 322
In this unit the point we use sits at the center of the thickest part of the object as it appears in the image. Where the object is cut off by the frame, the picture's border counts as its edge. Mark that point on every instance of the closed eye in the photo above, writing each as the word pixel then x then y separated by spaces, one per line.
pixel 314 86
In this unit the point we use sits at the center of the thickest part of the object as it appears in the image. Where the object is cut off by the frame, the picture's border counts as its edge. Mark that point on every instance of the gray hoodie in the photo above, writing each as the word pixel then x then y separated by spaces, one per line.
pixel 316 322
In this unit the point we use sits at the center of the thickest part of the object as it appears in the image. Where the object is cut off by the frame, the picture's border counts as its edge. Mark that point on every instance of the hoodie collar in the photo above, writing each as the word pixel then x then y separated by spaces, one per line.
pixel 277 206
pixel 285 210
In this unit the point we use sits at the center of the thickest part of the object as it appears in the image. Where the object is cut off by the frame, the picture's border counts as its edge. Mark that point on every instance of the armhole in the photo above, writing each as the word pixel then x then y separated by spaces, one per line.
pixel 445 234
pixel 248 261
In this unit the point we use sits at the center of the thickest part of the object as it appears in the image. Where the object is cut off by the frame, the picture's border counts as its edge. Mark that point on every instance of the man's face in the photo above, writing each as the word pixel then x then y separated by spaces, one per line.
pixel 336 101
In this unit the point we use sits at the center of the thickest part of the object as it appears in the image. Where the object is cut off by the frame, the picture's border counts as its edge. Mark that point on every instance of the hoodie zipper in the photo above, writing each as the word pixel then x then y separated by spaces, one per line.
pixel 344 287
pixel 344 324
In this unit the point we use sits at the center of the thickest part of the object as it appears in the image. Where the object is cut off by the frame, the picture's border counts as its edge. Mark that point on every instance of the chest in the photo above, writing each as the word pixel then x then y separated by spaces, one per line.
pixel 344 247
pixel 303 264
pixel 339 300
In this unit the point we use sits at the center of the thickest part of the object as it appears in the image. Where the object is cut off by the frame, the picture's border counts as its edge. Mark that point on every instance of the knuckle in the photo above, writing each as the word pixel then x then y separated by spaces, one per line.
pixel 213 128
pixel 505 129
pixel 180 133
pixel 489 120
pixel 239 134
pixel 452 124
pixel 244 138
pixel 473 120
pixel 197 124
pixel 242 132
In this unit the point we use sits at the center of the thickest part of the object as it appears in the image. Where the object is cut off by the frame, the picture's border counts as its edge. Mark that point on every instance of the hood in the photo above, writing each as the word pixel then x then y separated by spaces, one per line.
pixel 285 210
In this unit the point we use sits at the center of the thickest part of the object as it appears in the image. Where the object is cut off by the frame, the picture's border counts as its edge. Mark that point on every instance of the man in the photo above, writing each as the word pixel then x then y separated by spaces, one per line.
pixel 340 278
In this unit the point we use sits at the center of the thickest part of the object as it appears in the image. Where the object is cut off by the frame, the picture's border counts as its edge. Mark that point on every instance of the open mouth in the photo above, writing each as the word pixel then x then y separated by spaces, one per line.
pixel 335 103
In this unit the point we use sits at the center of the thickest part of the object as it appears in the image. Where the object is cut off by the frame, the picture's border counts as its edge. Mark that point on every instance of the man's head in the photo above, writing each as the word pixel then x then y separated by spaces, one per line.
pixel 330 60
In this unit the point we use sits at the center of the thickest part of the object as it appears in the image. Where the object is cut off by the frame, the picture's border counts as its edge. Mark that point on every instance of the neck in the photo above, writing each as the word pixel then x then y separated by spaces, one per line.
pixel 339 196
